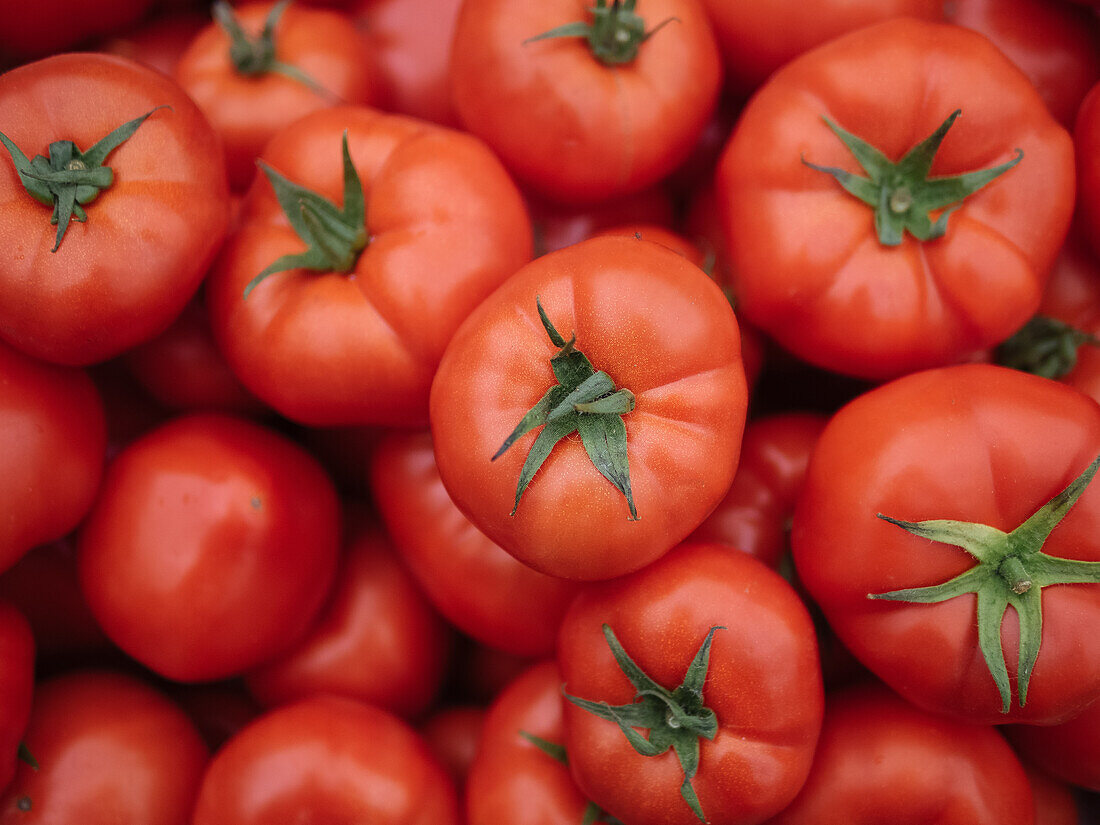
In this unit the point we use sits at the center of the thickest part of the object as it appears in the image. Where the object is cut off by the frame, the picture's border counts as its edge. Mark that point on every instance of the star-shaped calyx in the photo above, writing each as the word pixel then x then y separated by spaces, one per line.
pixel 614 35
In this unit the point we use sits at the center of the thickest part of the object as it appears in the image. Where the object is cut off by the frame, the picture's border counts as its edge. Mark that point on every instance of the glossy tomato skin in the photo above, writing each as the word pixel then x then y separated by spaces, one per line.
pixel 122 276
pixel 1069 751
pixel 110 749
pixel 446 227
pixel 808 266
pixel 568 126
pixel 378 639
pixel 328 760
pixel 37 30
pixel 511 607
pixel 882 760
pixel 16 686
pixel 211 547
pixel 53 438
pixel 1054 800
pixel 1086 140
pixel 763 683
pixel 248 111
pixel 660 328
pixel 513 781
pixel 975 443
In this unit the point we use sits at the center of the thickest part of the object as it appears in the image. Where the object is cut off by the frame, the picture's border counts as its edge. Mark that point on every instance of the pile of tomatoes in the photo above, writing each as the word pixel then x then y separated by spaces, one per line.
pixel 632 412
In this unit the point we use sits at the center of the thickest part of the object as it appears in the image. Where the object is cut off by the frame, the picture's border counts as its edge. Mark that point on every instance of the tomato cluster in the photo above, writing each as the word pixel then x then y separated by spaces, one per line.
pixel 582 412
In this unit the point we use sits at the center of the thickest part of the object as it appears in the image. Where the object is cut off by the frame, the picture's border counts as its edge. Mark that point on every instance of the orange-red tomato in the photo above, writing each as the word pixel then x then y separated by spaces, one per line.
pixel 16 686
pixel 1069 751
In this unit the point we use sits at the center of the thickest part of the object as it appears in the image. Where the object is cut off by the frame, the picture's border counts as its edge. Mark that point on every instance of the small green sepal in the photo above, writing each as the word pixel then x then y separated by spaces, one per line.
pixel 675 718
pixel 1044 346
pixel 69 178
pixel 614 35
pixel 901 194
pixel 583 401
pixel 25 755
pixel 1011 571
pixel 592 811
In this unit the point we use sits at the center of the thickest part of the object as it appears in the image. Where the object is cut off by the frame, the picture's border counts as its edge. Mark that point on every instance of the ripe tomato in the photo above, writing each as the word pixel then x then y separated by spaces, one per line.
pixel 556 226
pixel 1086 139
pixel 453 735
pixel 575 126
pixel 52 442
pixel 16 686
pixel 312 59
pixel 110 749
pixel 157 212
pixel 986 449
pixel 327 760
pixel 358 343
pixel 882 760
pixel 724 669
pixel 211 547
pixel 35 30
pixel 1069 751
pixel 160 42
pixel 878 292
pixel 656 328
pixel 1054 802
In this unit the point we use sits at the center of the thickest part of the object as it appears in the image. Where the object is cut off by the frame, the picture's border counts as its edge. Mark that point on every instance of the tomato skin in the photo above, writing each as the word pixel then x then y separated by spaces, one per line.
pixel 158 43
pixel 121 277
pixel 659 327
pixel 211 547
pixel 327 760
pixel 16 686
pixel 808 266
pixel 447 227
pixel 453 735
pixel 566 125
pixel 763 682
pixel 976 443
pixel 37 30
pixel 53 438
pixel 556 226
pixel 1086 140
pixel 1069 751
pixel 111 749
pixel 881 760
pixel 378 639
pixel 1054 802
pixel 247 112
pixel 512 608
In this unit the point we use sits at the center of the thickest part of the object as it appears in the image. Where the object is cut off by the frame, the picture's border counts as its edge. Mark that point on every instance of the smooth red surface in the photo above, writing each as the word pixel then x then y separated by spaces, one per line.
pixel 1069 751
pixel 454 734
pixel 34 30
pixel 1086 140
pixel 16 686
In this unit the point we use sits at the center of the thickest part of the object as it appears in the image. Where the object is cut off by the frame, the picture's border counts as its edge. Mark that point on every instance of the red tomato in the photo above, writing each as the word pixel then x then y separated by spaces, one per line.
pixel 16 686
pixel 557 227
pixel 513 607
pixel 1086 139
pixel 159 43
pixel 37 29
pixel 218 710
pixel 444 226
pixel 110 750
pixel 512 779
pixel 1069 751
pixel 987 447
pixel 1054 802
pixel 120 277
pixel 327 760
pixel 656 328
pixel 249 102
pixel 882 760
pixel 211 548
pixel 750 714
pixel 853 288
pixel 378 639
pixel 453 736
pixel 1056 45
pixel 576 127
pixel 52 442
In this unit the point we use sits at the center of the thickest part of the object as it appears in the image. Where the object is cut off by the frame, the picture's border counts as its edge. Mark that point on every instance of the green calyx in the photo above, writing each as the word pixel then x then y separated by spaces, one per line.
pixel 1011 570
pixel 614 35
pixel 25 755
pixel 901 194
pixel 584 401
pixel 255 56
pixel 1044 346
pixel 592 811
pixel 675 718
pixel 334 236
pixel 69 178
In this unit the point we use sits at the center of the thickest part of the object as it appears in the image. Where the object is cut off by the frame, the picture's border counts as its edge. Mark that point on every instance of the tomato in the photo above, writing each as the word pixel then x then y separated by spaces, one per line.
pixel 665 344
pixel 514 778
pixel 251 88
pixel 879 292
pixel 1057 46
pixel 592 115
pixel 110 749
pixel 218 710
pixel 728 676
pixel 211 548
pixel 378 640
pixel 327 760
pixel 662 235
pixel 134 254
pixel 16 686
pixel 359 343
pixel 882 760
pixel 158 43
pixel 1086 139
pixel 35 30
pixel 1069 751
pixel 557 226
pixel 758 38
pixel 512 608
pixel 1054 802
pixel 52 443
pixel 453 735
pixel 984 448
